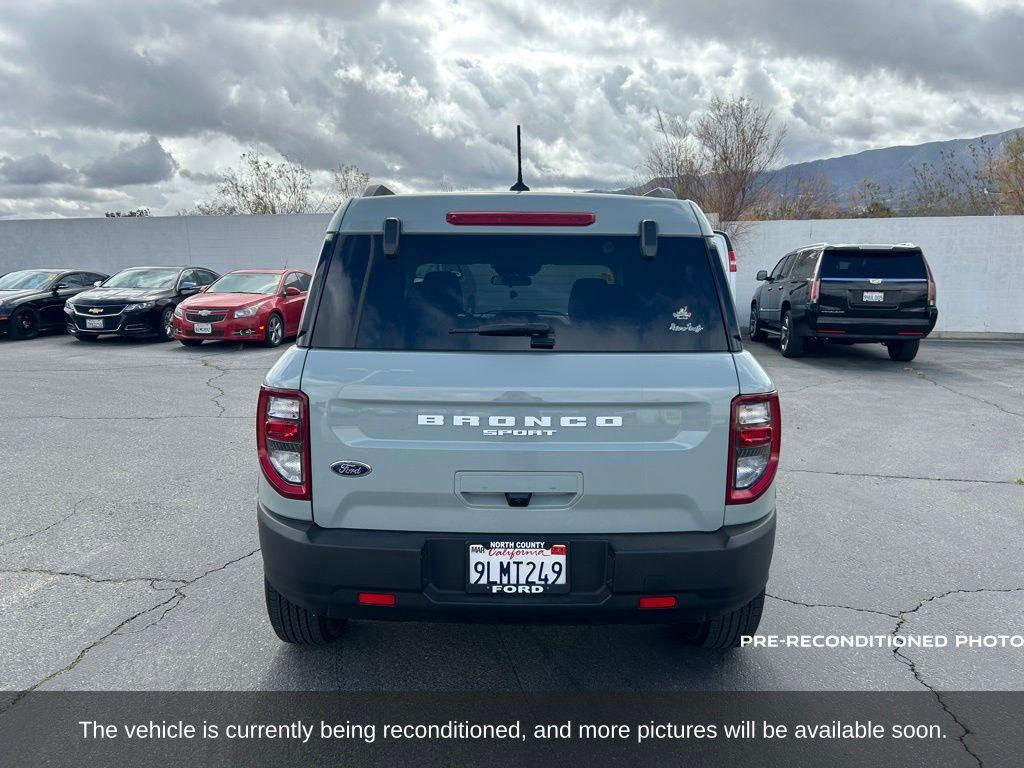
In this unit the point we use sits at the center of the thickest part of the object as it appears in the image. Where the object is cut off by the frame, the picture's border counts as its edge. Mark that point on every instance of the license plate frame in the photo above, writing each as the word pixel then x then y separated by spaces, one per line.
pixel 94 323
pixel 873 297
pixel 521 580
pixel 204 329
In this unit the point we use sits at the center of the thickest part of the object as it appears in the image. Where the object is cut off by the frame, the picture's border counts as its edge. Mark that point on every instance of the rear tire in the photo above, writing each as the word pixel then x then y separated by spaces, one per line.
pixel 725 631
pixel 754 327
pixel 191 342
pixel 294 624
pixel 903 351
pixel 24 324
pixel 790 342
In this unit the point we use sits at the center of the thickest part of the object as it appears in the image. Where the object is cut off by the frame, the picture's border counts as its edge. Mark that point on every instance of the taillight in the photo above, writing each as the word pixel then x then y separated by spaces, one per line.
pixel 755 436
pixel 732 260
pixel 815 289
pixel 931 285
pixel 282 440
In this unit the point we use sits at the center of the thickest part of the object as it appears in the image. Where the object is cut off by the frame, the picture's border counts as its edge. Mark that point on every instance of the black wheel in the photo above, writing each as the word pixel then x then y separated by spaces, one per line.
pixel 790 342
pixel 167 324
pixel 24 324
pixel 754 328
pixel 903 351
pixel 191 342
pixel 295 624
pixel 86 336
pixel 274 334
pixel 725 632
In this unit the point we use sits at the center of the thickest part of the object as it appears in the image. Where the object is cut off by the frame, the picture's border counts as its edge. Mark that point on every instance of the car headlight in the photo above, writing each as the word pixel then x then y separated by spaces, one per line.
pixel 178 312
pixel 248 311
pixel 69 307
pixel 140 306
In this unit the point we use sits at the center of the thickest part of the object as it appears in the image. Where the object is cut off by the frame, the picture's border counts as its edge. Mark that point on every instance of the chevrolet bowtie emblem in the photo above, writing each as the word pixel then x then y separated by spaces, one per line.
pixel 96 311
pixel 203 312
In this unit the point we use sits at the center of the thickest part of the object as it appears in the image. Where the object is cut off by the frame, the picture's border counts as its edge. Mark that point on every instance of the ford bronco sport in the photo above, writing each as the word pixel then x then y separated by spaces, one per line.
pixel 518 407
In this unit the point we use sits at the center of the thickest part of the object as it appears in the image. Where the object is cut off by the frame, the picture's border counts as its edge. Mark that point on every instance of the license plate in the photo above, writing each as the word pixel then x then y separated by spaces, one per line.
pixel 93 322
pixel 203 328
pixel 519 567
pixel 874 296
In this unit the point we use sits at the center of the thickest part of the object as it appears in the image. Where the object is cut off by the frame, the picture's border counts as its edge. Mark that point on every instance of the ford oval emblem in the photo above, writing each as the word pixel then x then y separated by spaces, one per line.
pixel 351 468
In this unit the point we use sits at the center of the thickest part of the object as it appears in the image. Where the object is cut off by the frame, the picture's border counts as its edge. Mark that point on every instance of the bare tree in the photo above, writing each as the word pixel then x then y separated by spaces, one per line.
pixel 347 181
pixel 720 158
pixel 955 187
pixel 800 197
pixel 260 185
pixel 1008 174
pixel 135 213
pixel 868 202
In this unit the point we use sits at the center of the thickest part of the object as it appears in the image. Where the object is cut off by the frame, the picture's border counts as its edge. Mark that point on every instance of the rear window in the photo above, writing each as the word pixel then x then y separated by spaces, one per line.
pixel 596 293
pixel 888 265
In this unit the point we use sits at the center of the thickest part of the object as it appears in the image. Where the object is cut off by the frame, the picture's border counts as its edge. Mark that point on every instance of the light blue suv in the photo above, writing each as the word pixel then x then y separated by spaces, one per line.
pixel 518 407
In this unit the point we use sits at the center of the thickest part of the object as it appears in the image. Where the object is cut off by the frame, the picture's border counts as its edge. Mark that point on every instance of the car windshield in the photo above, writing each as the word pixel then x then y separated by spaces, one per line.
pixel 587 293
pixel 886 265
pixel 143 278
pixel 246 282
pixel 28 278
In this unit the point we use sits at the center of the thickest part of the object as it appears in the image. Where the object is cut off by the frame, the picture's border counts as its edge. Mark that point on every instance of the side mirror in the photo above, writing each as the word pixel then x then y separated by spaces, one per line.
pixel 61 287
pixel 291 290
pixel 97 284
pixel 762 275
pixel 187 288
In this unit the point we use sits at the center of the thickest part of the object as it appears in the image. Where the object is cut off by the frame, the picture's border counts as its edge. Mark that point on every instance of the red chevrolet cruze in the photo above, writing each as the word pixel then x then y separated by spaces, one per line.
pixel 245 305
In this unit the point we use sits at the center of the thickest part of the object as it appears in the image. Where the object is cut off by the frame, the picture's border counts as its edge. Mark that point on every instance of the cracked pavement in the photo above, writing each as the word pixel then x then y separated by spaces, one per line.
pixel 129 560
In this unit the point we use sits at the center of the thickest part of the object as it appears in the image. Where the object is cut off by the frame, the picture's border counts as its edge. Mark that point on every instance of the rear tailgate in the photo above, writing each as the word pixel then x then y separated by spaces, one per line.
pixel 601 442
pixel 874 284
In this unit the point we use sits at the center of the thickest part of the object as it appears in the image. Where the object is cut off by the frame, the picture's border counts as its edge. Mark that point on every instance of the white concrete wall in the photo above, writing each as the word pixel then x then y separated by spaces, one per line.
pixel 221 243
pixel 978 261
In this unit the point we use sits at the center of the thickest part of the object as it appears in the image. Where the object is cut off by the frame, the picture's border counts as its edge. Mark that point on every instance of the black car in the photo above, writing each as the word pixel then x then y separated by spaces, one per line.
pixel 135 302
pixel 32 300
pixel 847 294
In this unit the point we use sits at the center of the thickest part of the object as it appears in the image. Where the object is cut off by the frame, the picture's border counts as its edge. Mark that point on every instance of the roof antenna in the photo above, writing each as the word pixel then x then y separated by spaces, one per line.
pixel 519 186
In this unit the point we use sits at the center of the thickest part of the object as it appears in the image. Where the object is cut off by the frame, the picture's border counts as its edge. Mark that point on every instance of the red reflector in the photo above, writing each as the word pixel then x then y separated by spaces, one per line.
pixel 519 219
pixel 732 261
pixel 285 431
pixel 822 330
pixel 755 436
pixel 376 598
pixel 910 333
pixel 657 601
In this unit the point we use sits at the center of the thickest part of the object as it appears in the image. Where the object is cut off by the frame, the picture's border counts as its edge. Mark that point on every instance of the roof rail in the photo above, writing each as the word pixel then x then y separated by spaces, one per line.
pixel 376 190
pixel 661 192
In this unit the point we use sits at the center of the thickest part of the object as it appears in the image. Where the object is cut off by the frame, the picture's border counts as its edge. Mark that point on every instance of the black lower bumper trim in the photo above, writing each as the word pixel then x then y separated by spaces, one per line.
pixel 324 570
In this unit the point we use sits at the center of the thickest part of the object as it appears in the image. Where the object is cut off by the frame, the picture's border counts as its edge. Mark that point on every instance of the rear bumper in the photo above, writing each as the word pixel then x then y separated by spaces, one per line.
pixel 325 569
pixel 892 328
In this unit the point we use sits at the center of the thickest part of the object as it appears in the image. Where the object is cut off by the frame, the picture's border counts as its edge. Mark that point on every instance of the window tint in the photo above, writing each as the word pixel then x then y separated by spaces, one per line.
pixel 188 276
pixel 780 268
pixel 891 265
pixel 205 277
pixel 803 264
pixel 595 292
pixel 75 280
pixel 304 280
pixel 294 280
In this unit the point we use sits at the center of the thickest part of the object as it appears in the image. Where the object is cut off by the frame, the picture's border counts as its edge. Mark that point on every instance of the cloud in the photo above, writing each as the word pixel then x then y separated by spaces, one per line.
pixel 36 168
pixel 155 99
pixel 145 163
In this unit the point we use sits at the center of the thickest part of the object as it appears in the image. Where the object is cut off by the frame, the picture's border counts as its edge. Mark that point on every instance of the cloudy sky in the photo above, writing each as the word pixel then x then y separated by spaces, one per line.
pixel 108 105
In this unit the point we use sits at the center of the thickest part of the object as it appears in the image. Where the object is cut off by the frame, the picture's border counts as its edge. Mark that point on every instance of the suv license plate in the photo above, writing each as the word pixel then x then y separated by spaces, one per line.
pixel 518 567
pixel 203 328
pixel 874 296
pixel 93 322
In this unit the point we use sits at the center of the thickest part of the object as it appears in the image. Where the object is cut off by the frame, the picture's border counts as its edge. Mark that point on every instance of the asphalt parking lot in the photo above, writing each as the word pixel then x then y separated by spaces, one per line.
pixel 129 556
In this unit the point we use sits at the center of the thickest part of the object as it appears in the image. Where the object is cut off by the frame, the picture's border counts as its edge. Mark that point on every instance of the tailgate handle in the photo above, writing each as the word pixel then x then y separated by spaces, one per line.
pixel 501 490
pixel 518 499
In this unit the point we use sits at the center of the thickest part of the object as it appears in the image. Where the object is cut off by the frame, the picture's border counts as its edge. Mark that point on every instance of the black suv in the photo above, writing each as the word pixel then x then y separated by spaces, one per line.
pixel 847 294
pixel 135 302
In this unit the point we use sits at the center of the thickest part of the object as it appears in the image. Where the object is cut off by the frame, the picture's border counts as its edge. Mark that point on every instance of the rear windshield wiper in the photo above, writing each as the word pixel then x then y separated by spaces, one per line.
pixel 541 334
